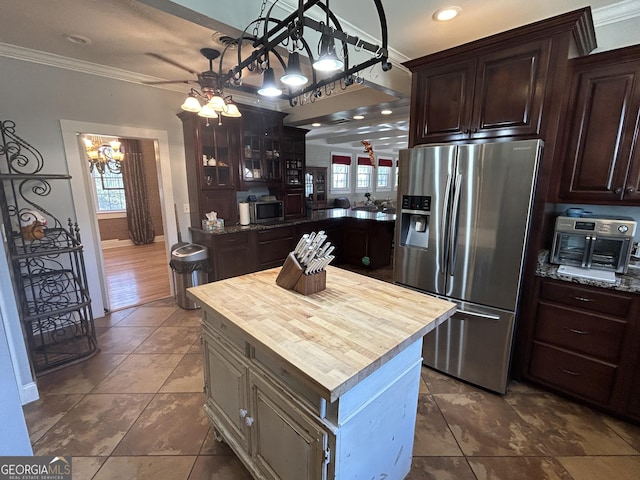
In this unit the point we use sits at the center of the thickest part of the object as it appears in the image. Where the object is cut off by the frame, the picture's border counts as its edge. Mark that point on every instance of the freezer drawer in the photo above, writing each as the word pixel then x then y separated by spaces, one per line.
pixel 473 345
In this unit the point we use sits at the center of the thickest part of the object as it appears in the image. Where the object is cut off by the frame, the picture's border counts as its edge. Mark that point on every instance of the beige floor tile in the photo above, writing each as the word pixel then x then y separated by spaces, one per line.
pixel 567 428
pixel 188 376
pixel 140 374
pixel 440 468
pixel 42 414
pixel 84 468
pixel 602 468
pixel 168 301
pixel 196 348
pixel 94 426
pixel 629 432
pixel 80 378
pixel 184 318
pixel 123 339
pixel 484 424
pixel 146 468
pixel 172 424
pixel 219 467
pixel 522 468
pixel 147 317
pixel 170 340
pixel 440 383
pixel 113 318
pixel 211 446
pixel 432 436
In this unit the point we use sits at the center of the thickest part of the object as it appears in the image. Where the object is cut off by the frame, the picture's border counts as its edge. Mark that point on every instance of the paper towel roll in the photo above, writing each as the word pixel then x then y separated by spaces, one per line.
pixel 244 213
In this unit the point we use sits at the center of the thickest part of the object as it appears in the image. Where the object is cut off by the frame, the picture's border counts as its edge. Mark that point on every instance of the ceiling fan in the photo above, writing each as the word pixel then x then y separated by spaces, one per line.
pixel 209 80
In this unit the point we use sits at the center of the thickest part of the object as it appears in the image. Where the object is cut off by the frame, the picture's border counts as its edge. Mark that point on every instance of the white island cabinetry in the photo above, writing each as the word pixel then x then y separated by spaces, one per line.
pixel 317 387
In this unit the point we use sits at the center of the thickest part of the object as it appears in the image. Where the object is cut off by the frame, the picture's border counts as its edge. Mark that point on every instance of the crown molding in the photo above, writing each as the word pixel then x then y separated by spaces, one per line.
pixel 616 12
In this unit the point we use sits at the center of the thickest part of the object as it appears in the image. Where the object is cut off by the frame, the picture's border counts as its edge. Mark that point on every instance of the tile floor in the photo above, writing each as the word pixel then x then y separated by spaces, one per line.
pixel 134 411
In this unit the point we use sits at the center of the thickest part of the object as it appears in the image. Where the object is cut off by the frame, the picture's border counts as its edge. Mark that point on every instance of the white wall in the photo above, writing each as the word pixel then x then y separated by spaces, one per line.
pixel 37 97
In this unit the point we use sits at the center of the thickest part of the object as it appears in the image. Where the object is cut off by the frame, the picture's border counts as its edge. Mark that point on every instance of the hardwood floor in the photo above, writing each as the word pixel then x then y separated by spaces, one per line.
pixel 136 274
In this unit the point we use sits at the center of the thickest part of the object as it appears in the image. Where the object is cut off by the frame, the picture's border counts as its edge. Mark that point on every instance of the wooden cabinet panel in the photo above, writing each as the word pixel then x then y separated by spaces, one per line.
pixel 223 202
pixel 573 373
pixel 592 299
pixel 581 332
pixel 494 94
pixel 600 154
pixel 274 245
pixel 294 204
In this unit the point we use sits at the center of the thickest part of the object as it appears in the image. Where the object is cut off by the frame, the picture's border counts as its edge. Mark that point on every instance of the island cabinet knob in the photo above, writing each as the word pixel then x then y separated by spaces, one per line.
pixel 248 421
pixel 243 413
pixel 630 190
pixel 618 190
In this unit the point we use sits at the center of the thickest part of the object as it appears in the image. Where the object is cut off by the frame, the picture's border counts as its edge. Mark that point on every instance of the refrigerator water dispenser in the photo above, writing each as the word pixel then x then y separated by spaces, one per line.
pixel 414 221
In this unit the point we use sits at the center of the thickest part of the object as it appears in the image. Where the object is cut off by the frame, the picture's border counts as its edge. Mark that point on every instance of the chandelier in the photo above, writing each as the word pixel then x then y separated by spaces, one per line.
pixel 103 156
pixel 312 30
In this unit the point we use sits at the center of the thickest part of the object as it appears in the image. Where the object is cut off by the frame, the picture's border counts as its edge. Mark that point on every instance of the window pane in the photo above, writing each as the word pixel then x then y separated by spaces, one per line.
pixel 109 191
pixel 364 176
pixel 340 176
pixel 384 177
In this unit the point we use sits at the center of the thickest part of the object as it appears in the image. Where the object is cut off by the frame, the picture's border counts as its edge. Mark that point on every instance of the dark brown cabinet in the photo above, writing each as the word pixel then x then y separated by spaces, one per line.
pixel 261 161
pixel 315 187
pixel 585 342
pixel 230 254
pixel 293 158
pixel 367 243
pixel 600 157
pixel 489 94
pixel 211 152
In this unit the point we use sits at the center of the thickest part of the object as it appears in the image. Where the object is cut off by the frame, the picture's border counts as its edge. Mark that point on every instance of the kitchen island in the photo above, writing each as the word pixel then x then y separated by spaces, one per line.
pixel 319 386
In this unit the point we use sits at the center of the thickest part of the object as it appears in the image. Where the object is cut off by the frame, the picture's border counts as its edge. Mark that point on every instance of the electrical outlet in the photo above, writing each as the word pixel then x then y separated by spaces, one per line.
pixel 186 208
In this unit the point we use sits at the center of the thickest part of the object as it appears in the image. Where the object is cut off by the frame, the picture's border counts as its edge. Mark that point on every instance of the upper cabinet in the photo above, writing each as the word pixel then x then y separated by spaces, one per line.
pixel 600 157
pixel 496 94
pixel 505 85
pixel 261 147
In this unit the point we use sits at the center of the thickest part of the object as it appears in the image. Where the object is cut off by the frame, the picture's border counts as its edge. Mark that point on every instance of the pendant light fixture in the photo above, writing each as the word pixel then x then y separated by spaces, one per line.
pixel 293 76
pixel 269 86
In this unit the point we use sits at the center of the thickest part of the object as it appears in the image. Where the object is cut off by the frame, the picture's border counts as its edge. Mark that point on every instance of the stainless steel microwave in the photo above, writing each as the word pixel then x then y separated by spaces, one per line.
pixel 602 243
pixel 266 212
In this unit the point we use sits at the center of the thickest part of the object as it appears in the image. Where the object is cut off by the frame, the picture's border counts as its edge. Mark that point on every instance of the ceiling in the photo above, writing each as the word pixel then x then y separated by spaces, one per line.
pixel 120 35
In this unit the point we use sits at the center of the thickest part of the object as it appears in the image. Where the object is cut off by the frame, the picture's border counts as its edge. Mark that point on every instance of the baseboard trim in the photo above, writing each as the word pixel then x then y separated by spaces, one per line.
pixel 29 393
pixel 115 243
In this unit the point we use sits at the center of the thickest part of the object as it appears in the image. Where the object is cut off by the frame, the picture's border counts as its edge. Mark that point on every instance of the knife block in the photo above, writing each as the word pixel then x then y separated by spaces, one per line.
pixel 292 277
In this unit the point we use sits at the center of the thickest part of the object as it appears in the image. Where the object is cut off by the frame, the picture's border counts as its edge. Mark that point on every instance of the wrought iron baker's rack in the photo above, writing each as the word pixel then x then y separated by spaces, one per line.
pixel 46 260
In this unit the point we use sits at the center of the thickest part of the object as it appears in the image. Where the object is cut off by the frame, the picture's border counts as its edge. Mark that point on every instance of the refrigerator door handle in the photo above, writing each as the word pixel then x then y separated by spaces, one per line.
pixel 477 315
pixel 453 226
pixel 444 240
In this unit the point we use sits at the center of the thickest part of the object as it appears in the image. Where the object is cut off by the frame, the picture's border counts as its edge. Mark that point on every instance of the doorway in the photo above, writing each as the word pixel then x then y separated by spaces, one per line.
pixel 84 204
pixel 135 271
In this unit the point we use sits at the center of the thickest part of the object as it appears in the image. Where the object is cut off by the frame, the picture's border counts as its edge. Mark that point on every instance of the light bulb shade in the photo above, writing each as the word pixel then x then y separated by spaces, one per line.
pixel 232 111
pixel 191 104
pixel 327 60
pixel 207 112
pixel 294 76
pixel 217 103
pixel 269 87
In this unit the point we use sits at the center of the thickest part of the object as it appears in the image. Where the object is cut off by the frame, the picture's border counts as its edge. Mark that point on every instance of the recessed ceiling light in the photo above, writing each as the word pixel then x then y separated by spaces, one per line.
pixel 386 112
pixel 316 124
pixel 446 13
pixel 358 117
pixel 77 39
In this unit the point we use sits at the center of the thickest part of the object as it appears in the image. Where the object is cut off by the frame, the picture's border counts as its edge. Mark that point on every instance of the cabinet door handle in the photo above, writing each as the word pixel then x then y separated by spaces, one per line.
pixel 570 372
pixel 618 190
pixel 249 421
pixel 243 413
pixel 579 332
pixel 583 299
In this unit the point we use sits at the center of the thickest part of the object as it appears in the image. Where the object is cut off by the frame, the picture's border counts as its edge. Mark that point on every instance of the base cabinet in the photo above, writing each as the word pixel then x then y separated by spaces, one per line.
pixel 585 344
pixel 279 425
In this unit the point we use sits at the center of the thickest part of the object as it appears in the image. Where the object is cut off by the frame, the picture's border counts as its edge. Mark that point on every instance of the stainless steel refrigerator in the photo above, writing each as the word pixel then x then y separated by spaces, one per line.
pixel 461 234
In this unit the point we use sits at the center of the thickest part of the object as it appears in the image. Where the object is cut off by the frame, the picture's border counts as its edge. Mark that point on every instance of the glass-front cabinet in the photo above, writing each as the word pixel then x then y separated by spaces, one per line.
pixel 217 168
pixel 294 156
pixel 261 147
pixel 315 187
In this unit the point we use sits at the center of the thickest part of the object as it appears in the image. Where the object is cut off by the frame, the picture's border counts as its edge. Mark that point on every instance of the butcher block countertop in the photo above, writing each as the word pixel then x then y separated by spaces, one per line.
pixel 333 338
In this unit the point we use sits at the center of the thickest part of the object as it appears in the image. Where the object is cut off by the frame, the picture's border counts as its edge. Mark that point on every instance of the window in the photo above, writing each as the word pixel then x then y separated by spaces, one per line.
pixel 365 171
pixel 384 174
pixel 340 167
pixel 396 182
pixel 109 190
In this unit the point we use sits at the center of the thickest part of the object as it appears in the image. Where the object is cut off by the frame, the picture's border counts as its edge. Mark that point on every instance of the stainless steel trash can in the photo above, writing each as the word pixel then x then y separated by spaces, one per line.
pixel 189 264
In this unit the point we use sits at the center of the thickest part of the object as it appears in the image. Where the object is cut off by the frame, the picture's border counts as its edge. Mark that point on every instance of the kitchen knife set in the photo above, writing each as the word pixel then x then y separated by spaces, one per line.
pixel 312 253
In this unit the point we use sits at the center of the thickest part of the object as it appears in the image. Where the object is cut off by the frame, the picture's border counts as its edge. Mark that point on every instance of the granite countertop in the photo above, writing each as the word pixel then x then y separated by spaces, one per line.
pixel 316 215
pixel 629 282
